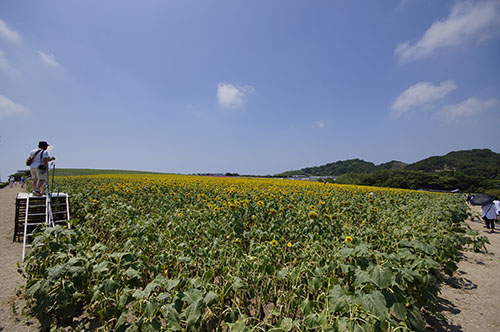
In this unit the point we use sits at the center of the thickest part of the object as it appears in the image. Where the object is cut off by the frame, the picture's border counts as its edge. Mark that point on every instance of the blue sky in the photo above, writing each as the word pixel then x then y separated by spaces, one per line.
pixel 254 87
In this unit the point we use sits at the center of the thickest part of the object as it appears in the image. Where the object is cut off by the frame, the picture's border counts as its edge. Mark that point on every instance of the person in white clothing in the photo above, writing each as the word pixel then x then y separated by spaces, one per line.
pixel 497 206
pixel 40 167
pixel 490 213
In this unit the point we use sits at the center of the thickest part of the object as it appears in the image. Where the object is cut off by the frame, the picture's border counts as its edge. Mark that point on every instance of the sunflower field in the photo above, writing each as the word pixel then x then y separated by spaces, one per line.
pixel 187 253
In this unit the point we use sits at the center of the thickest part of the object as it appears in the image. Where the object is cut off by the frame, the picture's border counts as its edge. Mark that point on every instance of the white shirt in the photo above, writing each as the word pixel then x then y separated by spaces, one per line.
pixel 38 159
pixel 497 206
pixel 489 211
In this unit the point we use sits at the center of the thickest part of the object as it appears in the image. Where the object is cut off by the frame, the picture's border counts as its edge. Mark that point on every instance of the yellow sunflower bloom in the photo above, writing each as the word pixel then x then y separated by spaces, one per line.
pixel 313 215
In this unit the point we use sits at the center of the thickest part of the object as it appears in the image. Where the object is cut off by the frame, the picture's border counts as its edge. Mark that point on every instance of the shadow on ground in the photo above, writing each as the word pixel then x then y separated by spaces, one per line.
pixel 438 322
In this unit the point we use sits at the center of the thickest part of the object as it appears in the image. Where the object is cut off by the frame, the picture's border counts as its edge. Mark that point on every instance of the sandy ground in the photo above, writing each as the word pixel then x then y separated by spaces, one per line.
pixel 469 300
pixel 11 307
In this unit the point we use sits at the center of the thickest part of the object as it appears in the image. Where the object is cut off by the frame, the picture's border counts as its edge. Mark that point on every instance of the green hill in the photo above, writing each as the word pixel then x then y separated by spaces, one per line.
pixel 475 170
pixel 479 162
pixel 345 167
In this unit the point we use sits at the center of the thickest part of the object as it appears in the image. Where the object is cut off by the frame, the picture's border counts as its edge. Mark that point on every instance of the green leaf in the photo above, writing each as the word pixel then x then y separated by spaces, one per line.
pixel 123 299
pixel 238 326
pixel 122 320
pixel 375 303
pixel 238 283
pixel 362 328
pixel 195 282
pixel 311 321
pixel 415 318
pixel 316 282
pixel 337 299
pixel 132 273
pixel 283 273
pixel 193 295
pixel 343 324
pixel 362 277
pixel 164 297
pixel 172 283
pixel 101 268
pixel 149 288
pixel 171 316
pixel 400 310
pixel 193 312
pixel 318 272
pixel 306 307
pixel 286 324
pixel 109 286
pixel 185 259
pixel 208 275
pixel 151 308
pixel 382 278
pixel 34 289
pixel 210 298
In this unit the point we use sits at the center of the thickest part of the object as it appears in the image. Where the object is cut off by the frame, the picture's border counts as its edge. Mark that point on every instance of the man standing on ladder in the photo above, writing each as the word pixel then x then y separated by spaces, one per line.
pixel 40 168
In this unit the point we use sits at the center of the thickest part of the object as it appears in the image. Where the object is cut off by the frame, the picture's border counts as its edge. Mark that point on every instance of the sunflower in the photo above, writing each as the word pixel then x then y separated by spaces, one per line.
pixel 313 214
pixel 348 239
pixel 289 244
pixel 274 243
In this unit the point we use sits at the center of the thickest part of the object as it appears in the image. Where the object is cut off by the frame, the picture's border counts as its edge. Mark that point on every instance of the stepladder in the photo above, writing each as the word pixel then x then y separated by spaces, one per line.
pixel 34 211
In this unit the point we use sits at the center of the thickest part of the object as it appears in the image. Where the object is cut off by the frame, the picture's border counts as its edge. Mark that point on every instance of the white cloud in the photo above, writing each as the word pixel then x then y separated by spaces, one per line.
pixel 320 124
pixel 230 96
pixel 10 108
pixel 48 59
pixel 468 108
pixel 468 22
pixel 4 64
pixel 422 94
pixel 7 33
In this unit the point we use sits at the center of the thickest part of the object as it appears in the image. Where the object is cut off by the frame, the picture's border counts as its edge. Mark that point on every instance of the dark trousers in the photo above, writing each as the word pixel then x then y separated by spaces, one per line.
pixel 490 223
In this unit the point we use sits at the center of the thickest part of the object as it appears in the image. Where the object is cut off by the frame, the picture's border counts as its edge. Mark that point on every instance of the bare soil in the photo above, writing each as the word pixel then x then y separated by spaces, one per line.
pixel 12 308
pixel 468 301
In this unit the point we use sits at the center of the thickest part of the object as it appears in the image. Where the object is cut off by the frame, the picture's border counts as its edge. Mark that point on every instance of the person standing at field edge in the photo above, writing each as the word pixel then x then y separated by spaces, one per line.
pixel 489 215
pixel 40 168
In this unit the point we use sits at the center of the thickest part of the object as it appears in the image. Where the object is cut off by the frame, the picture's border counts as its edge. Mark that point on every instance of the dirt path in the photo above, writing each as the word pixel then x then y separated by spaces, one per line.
pixel 11 307
pixel 469 300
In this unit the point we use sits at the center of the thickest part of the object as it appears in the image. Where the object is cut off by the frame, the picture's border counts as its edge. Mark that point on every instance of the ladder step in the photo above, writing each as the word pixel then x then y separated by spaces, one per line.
pixel 36 214
pixel 35 223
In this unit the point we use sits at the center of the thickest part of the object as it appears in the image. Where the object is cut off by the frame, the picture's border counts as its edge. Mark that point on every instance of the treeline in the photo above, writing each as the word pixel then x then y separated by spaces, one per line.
pixel 345 167
pixel 475 170
pixel 408 179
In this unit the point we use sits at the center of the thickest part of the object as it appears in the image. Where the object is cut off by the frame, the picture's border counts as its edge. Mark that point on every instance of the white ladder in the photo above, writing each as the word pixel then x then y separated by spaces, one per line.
pixel 53 211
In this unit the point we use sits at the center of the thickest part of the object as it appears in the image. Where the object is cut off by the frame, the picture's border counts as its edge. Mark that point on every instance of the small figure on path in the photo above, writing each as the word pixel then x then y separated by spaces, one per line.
pixel 40 167
pixel 22 181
